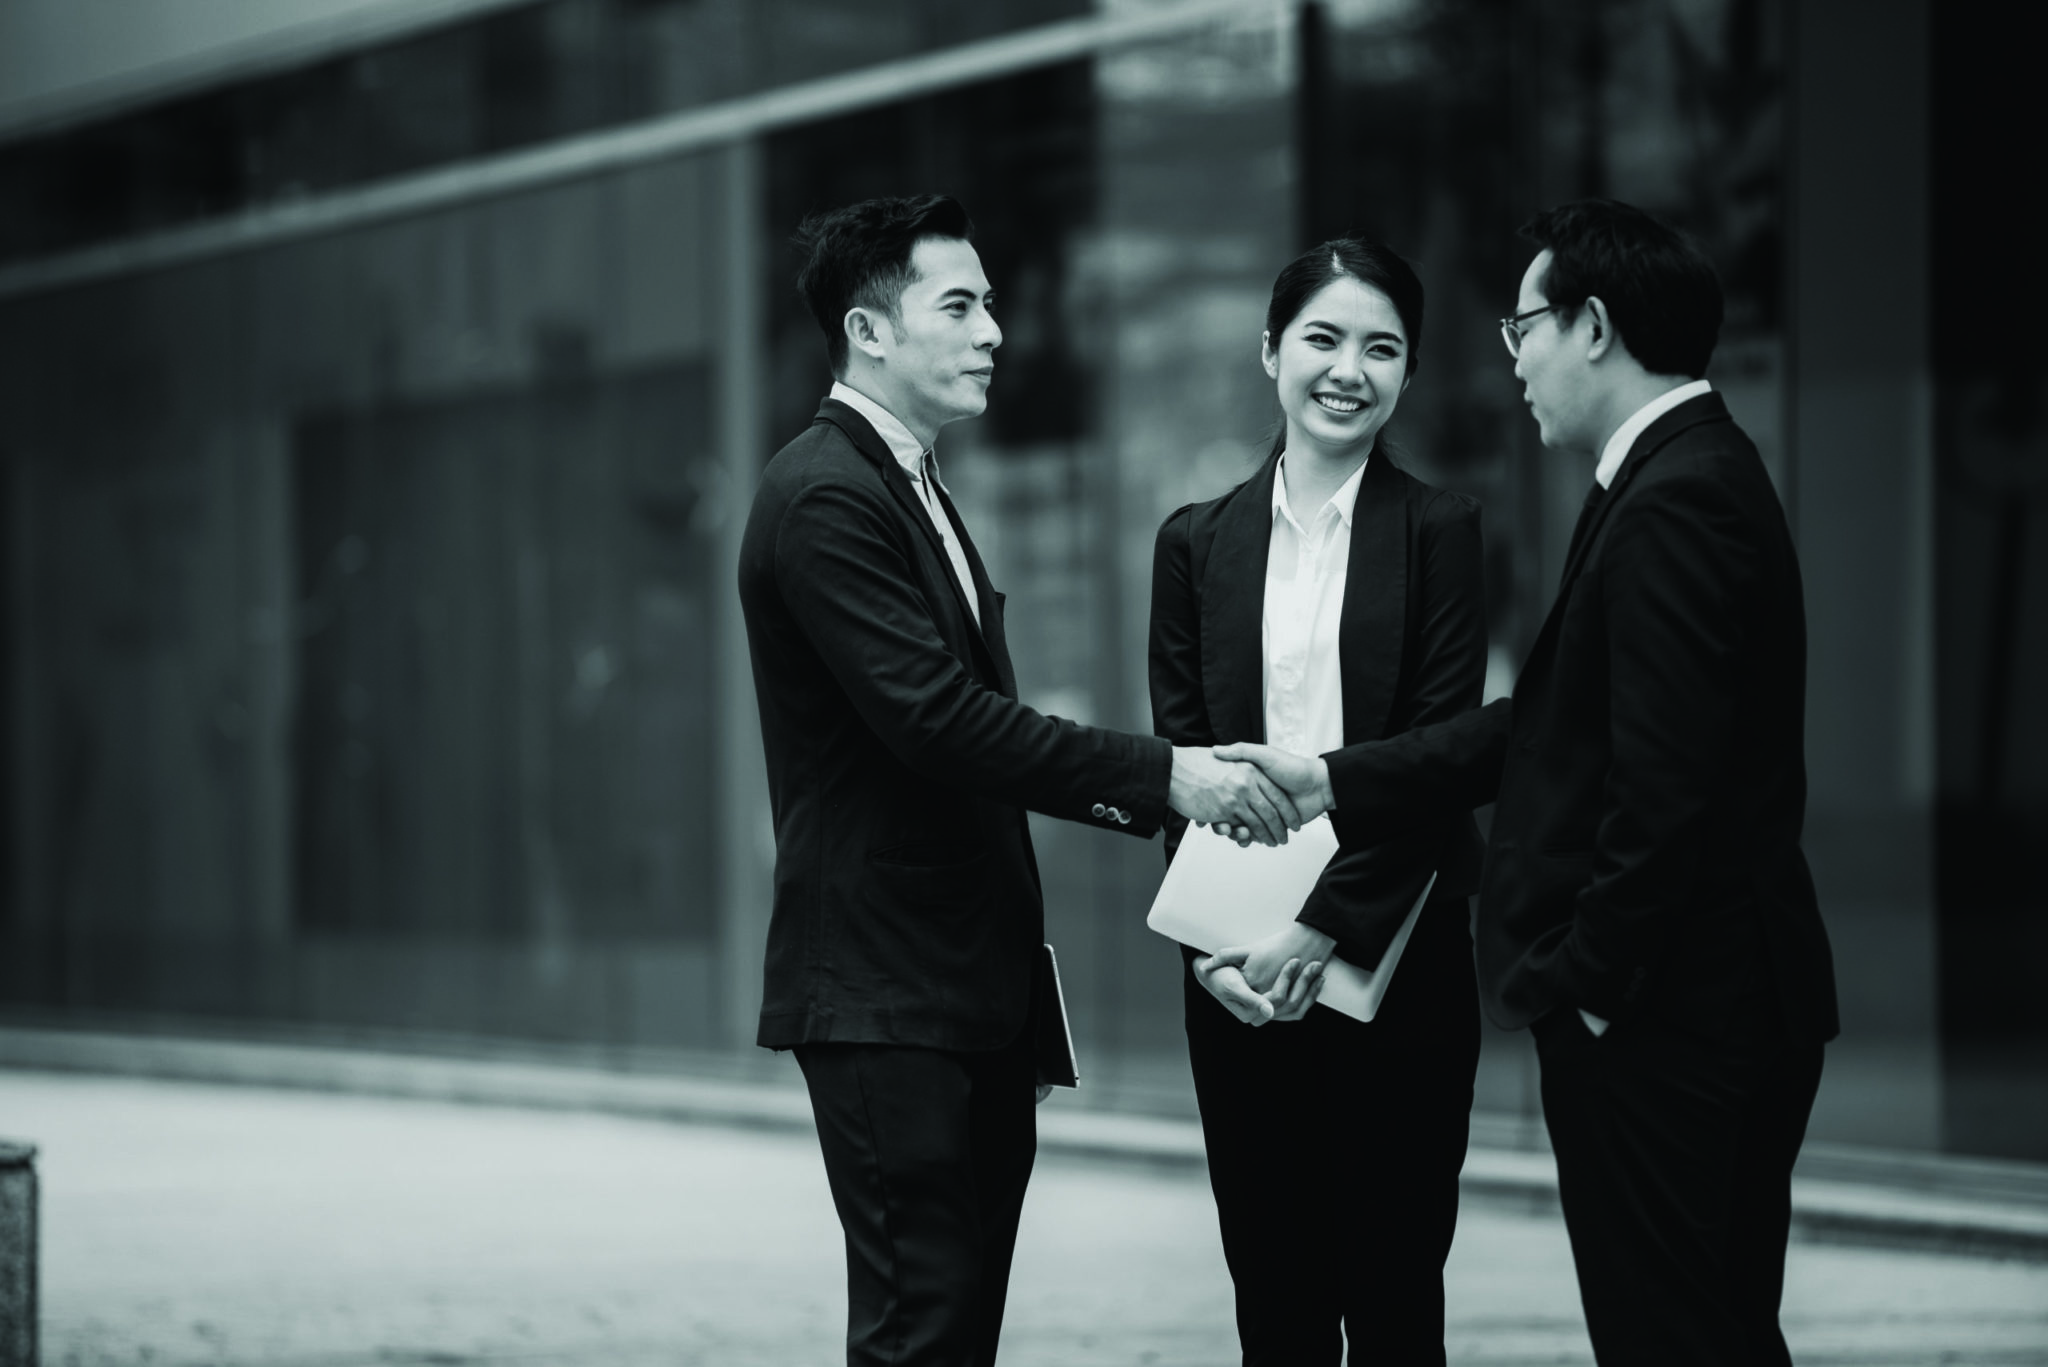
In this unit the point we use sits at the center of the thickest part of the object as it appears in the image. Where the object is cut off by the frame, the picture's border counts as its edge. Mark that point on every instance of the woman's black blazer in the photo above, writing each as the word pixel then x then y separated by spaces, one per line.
pixel 1411 644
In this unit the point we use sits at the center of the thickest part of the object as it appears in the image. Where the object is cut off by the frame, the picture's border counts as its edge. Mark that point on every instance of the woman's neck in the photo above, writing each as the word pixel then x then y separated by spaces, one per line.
pixel 1313 473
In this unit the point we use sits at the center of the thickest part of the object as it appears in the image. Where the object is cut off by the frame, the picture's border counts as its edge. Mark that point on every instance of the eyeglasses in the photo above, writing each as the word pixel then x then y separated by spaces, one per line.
pixel 1511 328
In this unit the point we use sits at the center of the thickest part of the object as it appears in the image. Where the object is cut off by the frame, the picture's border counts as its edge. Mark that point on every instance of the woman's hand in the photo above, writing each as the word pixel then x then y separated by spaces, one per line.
pixel 1261 961
pixel 1294 988
pixel 1223 981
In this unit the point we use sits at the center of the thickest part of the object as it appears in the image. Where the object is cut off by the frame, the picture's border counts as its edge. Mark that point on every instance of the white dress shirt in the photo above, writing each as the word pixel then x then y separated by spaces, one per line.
pixel 915 460
pixel 1305 573
pixel 1624 438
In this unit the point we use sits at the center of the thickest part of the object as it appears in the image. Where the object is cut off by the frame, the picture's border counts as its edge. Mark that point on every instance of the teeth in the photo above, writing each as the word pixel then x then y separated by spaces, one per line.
pixel 1339 405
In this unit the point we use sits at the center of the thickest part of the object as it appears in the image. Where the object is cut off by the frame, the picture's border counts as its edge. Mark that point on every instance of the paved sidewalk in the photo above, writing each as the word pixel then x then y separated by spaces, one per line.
pixel 198 1223
pixel 1841 1193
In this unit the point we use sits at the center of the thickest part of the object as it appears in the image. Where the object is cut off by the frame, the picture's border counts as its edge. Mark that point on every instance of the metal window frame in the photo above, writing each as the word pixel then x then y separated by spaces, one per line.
pixel 637 144
pixel 245 58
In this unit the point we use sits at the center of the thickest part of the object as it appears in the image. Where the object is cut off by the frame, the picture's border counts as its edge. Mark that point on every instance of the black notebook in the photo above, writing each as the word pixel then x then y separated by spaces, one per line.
pixel 1053 1043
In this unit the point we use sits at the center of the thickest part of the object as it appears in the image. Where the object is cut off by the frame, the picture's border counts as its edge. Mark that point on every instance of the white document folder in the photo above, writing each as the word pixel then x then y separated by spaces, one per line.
pixel 1218 894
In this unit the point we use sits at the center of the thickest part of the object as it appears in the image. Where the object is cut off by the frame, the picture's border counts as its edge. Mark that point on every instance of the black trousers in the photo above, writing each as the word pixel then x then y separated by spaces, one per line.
pixel 1334 1149
pixel 1674 1164
pixel 928 1153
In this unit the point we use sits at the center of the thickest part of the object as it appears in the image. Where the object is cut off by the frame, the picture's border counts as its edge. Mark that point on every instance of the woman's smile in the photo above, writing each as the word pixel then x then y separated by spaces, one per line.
pixel 1338 367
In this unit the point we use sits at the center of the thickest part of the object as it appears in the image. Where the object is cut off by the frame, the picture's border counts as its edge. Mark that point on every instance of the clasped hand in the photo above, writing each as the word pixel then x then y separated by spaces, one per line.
pixel 1274 979
pixel 1249 792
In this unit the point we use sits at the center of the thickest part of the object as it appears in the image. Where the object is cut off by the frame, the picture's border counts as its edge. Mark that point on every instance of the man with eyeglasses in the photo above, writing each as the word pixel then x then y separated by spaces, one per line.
pixel 1646 909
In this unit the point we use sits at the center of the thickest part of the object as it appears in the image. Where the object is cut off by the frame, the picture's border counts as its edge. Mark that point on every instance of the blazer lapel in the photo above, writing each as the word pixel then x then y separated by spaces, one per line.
pixel 1233 592
pixel 1653 438
pixel 993 637
pixel 1706 408
pixel 1372 627
pixel 870 444
pixel 1591 518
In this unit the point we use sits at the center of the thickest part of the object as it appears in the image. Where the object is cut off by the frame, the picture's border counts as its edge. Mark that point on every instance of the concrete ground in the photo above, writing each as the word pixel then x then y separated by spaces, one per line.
pixel 190 1223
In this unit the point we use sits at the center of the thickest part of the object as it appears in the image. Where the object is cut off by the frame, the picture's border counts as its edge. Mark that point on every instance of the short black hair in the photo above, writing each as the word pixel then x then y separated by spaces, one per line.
pixel 859 257
pixel 1659 288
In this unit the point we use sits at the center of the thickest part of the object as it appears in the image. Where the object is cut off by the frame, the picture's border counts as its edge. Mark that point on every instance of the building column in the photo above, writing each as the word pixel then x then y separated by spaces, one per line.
pixel 745 836
pixel 1862 436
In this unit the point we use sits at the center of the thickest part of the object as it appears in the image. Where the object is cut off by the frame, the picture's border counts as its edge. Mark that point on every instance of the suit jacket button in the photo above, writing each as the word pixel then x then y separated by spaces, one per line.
pixel 1123 818
pixel 1099 810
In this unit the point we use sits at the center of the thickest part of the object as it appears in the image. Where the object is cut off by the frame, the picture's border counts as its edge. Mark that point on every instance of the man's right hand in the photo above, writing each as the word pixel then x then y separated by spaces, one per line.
pixel 1304 778
pixel 1210 791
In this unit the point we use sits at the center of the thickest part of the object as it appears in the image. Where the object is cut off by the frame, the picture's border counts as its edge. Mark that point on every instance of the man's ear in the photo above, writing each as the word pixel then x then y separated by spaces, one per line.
pixel 1269 357
pixel 870 335
pixel 1603 328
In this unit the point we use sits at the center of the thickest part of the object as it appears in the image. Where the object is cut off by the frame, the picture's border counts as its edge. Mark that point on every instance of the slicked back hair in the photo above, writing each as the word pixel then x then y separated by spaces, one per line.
pixel 859 257
pixel 1660 290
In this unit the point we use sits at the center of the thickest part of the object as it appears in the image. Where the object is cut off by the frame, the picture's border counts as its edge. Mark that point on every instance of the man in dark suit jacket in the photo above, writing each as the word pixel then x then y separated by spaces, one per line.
pixel 1645 907
pixel 907 913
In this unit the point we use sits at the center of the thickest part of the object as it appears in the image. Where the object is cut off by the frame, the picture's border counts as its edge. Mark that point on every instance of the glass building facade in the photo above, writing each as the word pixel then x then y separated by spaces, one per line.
pixel 377 435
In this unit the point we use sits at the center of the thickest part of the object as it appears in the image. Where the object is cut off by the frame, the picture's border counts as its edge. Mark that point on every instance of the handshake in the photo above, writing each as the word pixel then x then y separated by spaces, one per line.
pixel 1249 792
pixel 1255 792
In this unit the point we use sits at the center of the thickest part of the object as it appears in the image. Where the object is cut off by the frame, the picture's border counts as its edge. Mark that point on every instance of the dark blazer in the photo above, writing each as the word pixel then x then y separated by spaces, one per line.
pixel 1411 643
pixel 1650 768
pixel 900 763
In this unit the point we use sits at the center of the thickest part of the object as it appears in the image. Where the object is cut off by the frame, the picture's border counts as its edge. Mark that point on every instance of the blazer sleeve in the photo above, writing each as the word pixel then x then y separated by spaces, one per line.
pixel 1174 652
pixel 1365 893
pixel 1673 566
pixel 1384 786
pixel 843 573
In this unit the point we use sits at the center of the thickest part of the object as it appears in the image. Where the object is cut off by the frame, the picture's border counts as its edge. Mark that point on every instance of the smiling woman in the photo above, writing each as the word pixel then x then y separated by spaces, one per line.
pixel 1343 337
pixel 1332 599
pixel 1340 368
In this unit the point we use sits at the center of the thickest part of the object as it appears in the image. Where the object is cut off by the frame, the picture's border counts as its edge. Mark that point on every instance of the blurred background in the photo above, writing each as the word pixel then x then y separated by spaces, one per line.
pixel 383 382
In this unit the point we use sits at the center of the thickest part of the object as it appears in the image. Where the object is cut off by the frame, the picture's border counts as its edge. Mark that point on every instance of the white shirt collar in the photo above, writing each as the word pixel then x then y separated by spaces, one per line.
pixel 1344 501
pixel 1618 446
pixel 909 452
